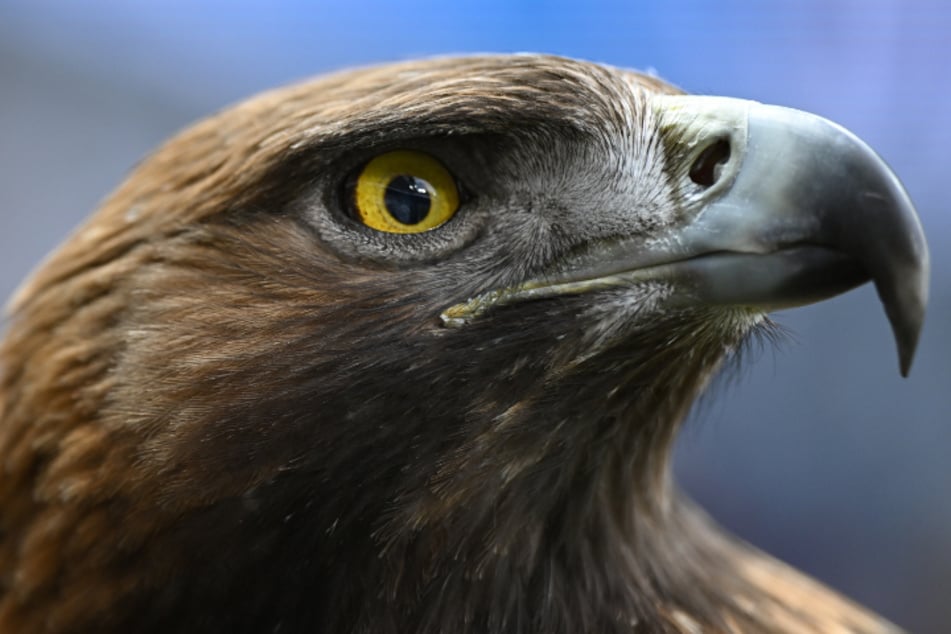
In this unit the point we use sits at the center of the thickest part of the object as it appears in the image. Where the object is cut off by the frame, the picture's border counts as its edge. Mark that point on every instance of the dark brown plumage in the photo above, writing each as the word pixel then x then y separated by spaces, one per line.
pixel 227 406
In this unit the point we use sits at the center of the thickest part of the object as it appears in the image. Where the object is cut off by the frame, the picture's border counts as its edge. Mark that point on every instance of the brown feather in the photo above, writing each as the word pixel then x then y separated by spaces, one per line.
pixel 174 432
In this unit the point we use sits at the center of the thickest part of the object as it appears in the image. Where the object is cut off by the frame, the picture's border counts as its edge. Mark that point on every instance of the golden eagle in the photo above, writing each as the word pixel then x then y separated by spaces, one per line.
pixel 404 349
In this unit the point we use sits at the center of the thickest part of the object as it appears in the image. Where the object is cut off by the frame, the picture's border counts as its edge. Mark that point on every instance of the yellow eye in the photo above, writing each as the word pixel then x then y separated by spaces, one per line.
pixel 405 192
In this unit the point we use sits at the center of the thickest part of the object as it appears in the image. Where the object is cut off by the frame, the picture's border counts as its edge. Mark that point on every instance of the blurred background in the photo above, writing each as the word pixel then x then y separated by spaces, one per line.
pixel 818 452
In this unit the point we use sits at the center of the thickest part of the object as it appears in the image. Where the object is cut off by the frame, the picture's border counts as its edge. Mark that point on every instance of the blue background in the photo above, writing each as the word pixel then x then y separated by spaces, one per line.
pixel 818 452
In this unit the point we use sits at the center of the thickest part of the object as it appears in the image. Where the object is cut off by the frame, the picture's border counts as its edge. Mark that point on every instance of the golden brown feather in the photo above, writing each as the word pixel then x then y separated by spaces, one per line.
pixel 195 434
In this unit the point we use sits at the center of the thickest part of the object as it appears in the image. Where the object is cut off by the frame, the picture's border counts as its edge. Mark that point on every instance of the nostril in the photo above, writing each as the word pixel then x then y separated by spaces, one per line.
pixel 707 168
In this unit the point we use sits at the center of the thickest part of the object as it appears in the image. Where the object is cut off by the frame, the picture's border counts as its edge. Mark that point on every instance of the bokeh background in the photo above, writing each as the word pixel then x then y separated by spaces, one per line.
pixel 818 451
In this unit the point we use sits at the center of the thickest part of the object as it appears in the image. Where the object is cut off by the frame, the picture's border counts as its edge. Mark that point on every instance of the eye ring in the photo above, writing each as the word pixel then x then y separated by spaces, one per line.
pixel 404 191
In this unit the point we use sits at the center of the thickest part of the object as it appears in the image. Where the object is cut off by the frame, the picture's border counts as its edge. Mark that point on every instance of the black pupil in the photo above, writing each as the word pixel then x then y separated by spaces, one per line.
pixel 407 199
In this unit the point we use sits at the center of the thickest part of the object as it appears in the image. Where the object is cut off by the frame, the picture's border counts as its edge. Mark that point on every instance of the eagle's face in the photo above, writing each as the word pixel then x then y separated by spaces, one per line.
pixel 353 330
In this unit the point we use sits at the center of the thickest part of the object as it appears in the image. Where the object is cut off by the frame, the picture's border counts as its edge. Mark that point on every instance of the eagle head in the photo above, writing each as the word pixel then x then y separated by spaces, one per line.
pixel 404 349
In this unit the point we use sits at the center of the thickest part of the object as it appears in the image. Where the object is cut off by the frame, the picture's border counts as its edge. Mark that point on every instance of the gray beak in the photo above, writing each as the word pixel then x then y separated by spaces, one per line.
pixel 792 209
pixel 783 208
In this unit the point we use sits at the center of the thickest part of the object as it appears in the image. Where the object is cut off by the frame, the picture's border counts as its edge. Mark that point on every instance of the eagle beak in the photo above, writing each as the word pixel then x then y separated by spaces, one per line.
pixel 783 208
pixel 792 209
